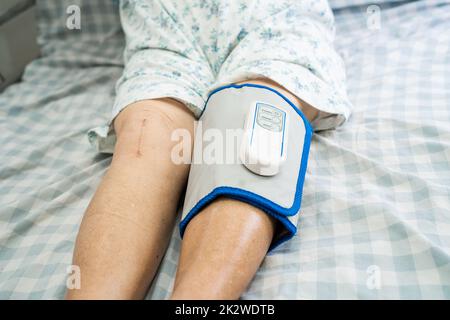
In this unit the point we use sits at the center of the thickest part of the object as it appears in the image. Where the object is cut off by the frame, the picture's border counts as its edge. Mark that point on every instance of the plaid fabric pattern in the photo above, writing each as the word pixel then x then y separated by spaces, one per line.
pixel 375 219
pixel 340 4
pixel 97 39
pixel 99 18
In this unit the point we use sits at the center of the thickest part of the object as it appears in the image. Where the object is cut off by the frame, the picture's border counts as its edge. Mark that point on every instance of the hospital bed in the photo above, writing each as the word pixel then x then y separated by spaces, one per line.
pixel 375 216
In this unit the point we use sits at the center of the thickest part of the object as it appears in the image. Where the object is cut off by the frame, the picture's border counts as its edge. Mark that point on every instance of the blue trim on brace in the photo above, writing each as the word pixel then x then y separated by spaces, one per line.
pixel 278 212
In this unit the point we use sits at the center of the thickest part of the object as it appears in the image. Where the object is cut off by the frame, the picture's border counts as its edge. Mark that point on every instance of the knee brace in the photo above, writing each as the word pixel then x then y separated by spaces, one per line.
pixel 269 139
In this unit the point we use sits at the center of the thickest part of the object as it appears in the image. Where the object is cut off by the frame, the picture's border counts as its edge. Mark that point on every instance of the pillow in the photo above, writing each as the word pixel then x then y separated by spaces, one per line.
pixel 87 25
pixel 339 4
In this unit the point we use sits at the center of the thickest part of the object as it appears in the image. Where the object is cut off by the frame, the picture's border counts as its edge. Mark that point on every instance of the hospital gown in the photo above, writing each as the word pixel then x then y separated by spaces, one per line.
pixel 183 49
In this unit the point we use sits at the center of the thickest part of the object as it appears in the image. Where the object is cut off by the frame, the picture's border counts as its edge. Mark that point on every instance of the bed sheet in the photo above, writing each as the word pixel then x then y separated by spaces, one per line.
pixel 375 217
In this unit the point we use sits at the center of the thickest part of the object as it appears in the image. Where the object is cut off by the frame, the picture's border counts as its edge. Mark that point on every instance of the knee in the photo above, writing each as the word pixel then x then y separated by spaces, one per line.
pixel 147 127
pixel 163 114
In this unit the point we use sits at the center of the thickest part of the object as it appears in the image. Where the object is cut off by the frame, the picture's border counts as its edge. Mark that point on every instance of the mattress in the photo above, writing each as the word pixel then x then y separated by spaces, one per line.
pixel 375 216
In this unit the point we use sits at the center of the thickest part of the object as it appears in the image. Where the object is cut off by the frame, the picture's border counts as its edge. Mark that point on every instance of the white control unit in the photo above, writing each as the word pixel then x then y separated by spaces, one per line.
pixel 264 144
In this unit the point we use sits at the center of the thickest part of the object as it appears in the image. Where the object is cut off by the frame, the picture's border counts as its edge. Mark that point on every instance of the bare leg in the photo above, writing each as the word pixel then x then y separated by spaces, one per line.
pixel 222 250
pixel 224 245
pixel 127 225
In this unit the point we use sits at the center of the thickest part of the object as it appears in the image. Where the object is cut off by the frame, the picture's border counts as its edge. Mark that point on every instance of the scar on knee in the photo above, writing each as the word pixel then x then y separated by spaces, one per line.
pixel 139 149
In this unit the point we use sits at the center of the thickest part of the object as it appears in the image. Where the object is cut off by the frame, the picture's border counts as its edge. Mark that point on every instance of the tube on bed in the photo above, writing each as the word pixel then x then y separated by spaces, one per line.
pixel 268 172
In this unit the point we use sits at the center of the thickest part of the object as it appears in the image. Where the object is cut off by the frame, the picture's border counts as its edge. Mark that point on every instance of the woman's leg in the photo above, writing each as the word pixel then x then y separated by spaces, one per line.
pixel 224 245
pixel 127 225
pixel 222 249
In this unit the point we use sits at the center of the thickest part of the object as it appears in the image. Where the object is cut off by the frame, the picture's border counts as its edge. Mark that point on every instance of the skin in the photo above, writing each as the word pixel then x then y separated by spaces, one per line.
pixel 127 225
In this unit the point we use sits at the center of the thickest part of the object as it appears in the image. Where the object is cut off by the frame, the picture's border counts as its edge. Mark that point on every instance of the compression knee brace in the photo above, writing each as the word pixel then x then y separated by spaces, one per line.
pixel 269 163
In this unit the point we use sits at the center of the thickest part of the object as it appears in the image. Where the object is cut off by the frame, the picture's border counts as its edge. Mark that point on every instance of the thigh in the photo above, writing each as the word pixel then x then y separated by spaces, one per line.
pixel 290 42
